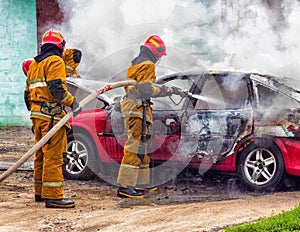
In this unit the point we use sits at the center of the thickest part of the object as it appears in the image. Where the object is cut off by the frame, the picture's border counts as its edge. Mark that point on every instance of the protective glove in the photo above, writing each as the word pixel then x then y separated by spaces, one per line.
pixel 165 91
pixel 76 108
pixel 178 91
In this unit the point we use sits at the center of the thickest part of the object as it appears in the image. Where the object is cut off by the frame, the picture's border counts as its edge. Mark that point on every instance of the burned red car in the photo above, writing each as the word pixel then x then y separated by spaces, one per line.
pixel 242 123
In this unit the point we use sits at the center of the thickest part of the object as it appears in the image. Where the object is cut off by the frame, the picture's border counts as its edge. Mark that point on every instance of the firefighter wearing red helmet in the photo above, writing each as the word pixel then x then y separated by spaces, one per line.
pixel 25 65
pixel 134 173
pixel 46 95
pixel 54 37
pixel 157 47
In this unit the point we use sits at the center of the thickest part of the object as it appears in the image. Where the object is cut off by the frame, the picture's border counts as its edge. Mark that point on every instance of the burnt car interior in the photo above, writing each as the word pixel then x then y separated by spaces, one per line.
pixel 221 115
pixel 275 108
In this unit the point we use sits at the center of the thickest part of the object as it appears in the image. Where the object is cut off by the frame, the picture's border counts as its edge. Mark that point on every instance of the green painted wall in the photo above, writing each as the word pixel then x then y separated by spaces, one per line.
pixel 17 42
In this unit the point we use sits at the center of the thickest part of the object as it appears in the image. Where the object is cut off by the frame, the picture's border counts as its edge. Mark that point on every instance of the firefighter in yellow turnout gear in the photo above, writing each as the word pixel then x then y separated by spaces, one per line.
pixel 134 172
pixel 72 58
pixel 45 96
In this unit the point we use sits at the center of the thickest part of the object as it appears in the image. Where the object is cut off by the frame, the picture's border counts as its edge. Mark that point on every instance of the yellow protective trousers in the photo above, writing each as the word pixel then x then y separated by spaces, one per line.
pixel 48 161
pixel 134 170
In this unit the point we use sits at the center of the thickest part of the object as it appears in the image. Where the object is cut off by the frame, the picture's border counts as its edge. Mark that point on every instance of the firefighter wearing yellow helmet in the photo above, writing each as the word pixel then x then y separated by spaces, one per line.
pixel 46 95
pixel 134 173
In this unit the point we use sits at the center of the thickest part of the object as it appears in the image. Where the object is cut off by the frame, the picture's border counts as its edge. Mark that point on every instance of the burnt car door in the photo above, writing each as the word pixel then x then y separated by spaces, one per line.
pixel 220 116
pixel 167 115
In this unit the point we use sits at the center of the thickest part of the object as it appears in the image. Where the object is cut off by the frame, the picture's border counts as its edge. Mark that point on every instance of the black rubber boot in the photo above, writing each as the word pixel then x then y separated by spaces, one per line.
pixel 59 203
pixel 146 188
pixel 129 192
pixel 38 198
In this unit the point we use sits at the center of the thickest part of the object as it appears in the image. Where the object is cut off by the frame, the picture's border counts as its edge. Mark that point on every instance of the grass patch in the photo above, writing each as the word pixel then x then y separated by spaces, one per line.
pixel 285 222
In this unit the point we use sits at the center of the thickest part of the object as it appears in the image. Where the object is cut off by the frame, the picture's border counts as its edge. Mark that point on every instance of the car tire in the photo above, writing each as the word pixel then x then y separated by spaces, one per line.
pixel 81 161
pixel 261 166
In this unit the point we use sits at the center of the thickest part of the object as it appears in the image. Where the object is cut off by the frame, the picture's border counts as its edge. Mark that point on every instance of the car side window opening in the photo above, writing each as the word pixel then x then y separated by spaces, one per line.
pixel 269 98
pixel 223 92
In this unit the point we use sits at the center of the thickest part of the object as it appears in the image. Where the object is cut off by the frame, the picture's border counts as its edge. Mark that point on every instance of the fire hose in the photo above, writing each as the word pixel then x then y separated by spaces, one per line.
pixel 61 123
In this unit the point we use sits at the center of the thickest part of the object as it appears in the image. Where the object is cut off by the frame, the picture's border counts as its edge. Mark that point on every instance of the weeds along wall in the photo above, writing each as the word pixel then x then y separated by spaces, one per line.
pixel 18 41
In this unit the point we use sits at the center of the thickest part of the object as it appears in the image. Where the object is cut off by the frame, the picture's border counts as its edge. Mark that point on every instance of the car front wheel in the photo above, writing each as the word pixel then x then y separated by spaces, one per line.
pixel 261 166
pixel 81 158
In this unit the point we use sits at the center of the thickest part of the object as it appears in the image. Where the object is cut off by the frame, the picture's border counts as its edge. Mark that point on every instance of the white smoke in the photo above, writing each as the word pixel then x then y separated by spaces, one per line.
pixel 262 40
pixel 222 34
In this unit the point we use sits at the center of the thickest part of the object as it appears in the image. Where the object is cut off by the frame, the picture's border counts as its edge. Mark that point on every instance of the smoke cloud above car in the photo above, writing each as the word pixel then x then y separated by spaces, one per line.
pixel 235 35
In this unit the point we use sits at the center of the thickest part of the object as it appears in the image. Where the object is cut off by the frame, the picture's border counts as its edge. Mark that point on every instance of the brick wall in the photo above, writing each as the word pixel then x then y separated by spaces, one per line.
pixel 21 23
pixel 48 15
pixel 17 42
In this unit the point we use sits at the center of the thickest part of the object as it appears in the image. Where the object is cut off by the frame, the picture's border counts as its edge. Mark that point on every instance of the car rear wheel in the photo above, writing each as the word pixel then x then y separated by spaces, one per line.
pixel 261 166
pixel 81 159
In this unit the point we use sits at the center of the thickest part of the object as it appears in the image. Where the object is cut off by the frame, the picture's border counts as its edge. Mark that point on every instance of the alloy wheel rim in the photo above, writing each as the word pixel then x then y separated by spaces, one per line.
pixel 260 166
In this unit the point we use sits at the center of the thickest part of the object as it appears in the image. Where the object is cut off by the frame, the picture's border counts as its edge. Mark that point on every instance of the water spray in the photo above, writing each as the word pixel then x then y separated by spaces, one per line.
pixel 203 98
pixel 184 94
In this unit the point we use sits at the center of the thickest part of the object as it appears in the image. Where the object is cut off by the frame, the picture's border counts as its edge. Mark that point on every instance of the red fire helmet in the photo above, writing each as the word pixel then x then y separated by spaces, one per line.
pixel 156 45
pixel 54 37
pixel 25 65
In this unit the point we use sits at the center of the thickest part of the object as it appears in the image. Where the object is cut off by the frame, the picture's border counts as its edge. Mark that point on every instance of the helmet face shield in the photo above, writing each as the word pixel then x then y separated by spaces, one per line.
pixel 54 37
pixel 156 45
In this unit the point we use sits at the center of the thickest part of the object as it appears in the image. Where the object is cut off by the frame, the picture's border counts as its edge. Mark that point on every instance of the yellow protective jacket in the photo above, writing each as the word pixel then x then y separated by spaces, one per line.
pixel 72 58
pixel 142 73
pixel 46 82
